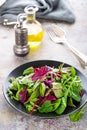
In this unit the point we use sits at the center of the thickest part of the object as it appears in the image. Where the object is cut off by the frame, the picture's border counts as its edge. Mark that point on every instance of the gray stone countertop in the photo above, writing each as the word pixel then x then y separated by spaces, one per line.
pixel 76 33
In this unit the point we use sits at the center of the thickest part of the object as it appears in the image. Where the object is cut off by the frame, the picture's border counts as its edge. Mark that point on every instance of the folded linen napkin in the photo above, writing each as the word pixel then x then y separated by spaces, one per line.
pixel 60 10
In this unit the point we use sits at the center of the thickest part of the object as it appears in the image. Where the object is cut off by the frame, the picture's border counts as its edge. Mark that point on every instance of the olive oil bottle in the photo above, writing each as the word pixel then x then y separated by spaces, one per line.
pixel 35 30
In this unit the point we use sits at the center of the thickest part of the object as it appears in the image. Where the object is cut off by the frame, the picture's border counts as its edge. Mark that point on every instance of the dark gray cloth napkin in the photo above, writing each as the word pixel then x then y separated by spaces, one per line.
pixel 60 10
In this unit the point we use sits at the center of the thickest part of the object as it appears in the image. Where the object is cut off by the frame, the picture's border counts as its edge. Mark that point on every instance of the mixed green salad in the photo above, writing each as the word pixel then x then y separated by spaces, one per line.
pixel 46 89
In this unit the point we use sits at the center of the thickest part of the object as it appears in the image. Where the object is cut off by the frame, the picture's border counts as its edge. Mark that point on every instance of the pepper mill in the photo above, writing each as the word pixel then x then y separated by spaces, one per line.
pixel 21 47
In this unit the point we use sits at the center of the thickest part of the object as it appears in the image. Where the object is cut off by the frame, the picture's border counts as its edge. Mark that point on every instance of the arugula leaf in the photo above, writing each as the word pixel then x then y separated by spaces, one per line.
pixel 73 71
pixel 61 67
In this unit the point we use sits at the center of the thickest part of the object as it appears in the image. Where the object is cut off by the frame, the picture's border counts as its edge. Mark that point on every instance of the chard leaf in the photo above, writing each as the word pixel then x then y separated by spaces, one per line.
pixel 57 89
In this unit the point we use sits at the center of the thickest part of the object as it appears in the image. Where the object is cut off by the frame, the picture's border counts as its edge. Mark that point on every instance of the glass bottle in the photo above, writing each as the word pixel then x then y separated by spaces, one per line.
pixel 35 30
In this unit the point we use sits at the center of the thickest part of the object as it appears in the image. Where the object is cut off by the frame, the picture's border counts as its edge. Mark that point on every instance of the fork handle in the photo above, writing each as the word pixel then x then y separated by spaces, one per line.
pixel 80 56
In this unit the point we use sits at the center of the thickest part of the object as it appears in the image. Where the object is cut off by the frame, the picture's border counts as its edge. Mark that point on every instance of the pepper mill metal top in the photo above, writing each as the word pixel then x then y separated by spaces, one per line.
pixel 21 47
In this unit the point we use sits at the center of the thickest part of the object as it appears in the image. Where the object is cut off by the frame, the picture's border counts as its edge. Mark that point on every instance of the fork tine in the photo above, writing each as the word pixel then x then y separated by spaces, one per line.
pixel 58 30
pixel 53 36
pixel 50 32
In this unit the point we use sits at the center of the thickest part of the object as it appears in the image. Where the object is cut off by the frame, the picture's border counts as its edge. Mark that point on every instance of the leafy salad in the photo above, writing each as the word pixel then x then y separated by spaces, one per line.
pixel 46 89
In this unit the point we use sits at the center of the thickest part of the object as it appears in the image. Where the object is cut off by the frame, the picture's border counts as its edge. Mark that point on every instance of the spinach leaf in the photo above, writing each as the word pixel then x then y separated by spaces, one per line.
pixel 56 103
pixel 28 71
pixel 62 106
pixel 46 107
pixel 35 94
pixel 36 84
pixel 42 89
pixel 76 116
pixel 28 107
pixel 70 102
pixel 76 96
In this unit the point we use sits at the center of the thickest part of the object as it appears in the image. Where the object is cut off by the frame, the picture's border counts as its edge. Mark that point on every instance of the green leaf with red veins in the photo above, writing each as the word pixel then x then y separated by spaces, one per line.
pixel 57 89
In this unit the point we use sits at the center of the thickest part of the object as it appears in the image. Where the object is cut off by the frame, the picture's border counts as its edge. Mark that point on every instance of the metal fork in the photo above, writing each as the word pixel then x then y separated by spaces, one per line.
pixel 57 35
